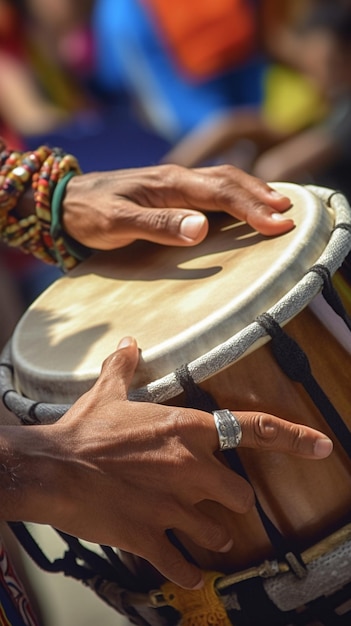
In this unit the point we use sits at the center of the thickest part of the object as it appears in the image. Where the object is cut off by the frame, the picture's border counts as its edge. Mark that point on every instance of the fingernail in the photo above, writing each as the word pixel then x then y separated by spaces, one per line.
pixel 192 225
pixel 227 546
pixel 199 585
pixel 279 217
pixel 323 448
pixel 276 194
pixel 125 342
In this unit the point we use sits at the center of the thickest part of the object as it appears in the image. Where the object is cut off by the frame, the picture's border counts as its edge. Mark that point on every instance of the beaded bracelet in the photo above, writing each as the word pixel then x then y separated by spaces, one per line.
pixel 76 249
pixel 43 169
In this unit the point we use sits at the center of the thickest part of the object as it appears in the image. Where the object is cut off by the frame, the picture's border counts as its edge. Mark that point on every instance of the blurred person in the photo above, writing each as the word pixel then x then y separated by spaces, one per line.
pixel 23 107
pixel 181 63
pixel 60 31
pixel 291 101
pixel 25 110
pixel 321 153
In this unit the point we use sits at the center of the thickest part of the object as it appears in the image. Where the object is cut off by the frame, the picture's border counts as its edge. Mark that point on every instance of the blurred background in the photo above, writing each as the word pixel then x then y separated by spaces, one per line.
pixel 262 84
pixel 139 82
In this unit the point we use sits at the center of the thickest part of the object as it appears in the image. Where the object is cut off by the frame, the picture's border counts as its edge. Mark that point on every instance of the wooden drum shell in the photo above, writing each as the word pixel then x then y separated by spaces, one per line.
pixel 306 499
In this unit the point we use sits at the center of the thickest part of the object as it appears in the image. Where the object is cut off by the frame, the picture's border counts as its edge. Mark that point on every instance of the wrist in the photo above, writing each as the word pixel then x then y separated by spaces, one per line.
pixel 31 473
pixel 57 230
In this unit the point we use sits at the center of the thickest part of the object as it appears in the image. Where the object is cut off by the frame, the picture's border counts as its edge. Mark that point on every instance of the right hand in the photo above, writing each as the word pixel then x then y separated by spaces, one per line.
pixel 166 204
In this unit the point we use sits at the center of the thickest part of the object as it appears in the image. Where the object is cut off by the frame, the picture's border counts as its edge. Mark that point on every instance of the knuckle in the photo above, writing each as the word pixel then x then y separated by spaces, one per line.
pixel 178 570
pixel 271 433
pixel 296 437
pixel 116 361
pixel 226 170
pixel 170 170
pixel 266 431
pixel 256 207
pixel 160 221
pixel 212 536
pixel 168 176
pixel 247 500
pixel 107 220
pixel 181 420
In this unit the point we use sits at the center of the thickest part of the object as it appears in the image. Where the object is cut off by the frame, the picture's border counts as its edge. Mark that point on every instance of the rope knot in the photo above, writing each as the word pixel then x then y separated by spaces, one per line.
pixel 201 607
pixel 292 360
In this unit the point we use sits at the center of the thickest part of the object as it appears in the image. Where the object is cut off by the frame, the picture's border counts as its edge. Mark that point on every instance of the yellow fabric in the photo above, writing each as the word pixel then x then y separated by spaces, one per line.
pixel 202 607
pixel 291 101
pixel 59 86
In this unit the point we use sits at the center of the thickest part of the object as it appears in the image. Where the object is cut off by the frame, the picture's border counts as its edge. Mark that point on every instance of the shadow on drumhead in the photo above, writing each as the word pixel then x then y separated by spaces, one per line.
pixel 71 347
pixel 143 260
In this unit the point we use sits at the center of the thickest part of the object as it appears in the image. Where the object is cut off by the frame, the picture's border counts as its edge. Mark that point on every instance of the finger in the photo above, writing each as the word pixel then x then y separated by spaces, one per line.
pixel 256 186
pixel 119 368
pixel 262 217
pixel 170 562
pixel 204 530
pixel 170 226
pixel 178 227
pixel 227 188
pixel 256 203
pixel 267 432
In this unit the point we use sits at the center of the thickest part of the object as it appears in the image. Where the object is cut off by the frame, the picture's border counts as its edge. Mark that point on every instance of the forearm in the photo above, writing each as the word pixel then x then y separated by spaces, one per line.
pixel 302 156
pixel 210 141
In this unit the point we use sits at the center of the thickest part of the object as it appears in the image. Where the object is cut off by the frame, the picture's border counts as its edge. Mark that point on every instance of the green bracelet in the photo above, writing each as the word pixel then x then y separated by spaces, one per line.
pixel 74 248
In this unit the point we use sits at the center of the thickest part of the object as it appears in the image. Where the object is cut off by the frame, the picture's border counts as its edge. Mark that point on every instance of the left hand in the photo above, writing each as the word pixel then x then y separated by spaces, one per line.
pixel 164 204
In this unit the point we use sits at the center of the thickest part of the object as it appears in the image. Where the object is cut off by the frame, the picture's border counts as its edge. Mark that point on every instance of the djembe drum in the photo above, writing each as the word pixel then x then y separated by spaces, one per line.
pixel 238 321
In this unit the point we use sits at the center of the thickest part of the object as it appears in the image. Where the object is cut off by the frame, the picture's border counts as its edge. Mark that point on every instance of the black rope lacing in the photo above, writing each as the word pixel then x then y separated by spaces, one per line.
pixel 94 565
pixel 295 364
pixel 115 572
pixel 330 294
pixel 66 565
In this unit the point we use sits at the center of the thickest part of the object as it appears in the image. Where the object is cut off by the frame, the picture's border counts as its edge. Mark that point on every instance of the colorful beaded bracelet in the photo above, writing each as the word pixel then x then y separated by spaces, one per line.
pixel 43 169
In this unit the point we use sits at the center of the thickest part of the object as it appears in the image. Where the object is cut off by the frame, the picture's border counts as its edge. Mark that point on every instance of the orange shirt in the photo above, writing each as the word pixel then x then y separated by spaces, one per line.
pixel 205 36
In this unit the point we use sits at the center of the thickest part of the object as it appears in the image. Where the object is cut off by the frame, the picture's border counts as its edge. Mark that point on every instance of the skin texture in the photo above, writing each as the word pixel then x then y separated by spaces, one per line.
pixel 96 472
pixel 165 204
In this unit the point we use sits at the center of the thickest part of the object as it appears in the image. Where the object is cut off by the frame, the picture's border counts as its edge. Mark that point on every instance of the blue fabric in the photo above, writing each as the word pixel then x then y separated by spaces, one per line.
pixel 9 609
pixel 132 56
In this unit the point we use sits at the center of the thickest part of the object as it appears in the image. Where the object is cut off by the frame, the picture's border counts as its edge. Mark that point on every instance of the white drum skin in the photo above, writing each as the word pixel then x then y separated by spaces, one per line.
pixel 177 302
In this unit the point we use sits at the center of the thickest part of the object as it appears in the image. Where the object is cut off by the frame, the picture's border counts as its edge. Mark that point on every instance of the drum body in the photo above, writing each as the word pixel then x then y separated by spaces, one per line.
pixel 181 304
pixel 305 499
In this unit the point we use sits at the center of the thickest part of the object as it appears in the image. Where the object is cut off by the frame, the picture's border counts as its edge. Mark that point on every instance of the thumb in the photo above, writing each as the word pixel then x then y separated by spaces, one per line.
pixel 119 368
pixel 170 226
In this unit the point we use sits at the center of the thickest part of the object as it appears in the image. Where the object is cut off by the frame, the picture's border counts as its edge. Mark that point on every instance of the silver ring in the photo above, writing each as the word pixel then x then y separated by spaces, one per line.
pixel 228 429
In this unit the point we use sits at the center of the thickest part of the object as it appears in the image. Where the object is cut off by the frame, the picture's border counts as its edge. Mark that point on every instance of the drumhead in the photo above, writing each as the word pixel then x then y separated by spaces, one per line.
pixel 178 303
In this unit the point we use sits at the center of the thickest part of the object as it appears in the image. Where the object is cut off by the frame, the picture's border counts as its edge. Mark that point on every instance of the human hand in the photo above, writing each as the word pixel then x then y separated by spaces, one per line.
pixel 164 204
pixel 109 464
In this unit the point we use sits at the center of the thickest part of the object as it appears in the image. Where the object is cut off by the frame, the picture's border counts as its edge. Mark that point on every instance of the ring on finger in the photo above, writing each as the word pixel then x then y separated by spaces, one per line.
pixel 228 429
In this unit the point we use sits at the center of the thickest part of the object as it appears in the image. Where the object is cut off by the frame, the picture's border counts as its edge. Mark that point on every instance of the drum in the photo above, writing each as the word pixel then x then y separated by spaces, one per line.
pixel 238 321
